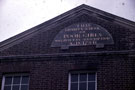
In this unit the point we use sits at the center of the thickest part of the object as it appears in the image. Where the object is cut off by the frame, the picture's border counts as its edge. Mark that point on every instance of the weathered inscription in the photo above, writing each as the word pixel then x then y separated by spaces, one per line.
pixel 82 34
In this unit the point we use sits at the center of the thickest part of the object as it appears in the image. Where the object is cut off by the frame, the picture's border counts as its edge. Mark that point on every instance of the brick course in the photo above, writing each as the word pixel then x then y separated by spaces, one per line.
pixel 113 71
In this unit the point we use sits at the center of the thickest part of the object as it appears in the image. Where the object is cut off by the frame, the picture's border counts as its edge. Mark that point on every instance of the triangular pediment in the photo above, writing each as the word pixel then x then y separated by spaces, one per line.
pixel 39 39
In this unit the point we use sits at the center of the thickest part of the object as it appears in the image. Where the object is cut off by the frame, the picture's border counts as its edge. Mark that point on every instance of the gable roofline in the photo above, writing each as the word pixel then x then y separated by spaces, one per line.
pixel 82 9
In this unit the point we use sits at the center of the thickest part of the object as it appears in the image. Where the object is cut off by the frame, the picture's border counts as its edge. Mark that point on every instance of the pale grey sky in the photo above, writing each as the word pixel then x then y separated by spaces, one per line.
pixel 17 16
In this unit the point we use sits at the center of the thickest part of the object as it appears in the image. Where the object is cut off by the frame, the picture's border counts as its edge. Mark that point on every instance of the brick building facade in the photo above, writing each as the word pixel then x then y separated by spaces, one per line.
pixel 82 49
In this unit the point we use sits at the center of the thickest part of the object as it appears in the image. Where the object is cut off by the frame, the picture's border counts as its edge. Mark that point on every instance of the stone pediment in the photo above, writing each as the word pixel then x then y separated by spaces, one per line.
pixel 109 33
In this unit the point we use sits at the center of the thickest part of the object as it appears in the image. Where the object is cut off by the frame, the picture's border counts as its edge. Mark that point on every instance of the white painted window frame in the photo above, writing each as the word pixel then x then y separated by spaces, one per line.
pixel 79 72
pixel 12 75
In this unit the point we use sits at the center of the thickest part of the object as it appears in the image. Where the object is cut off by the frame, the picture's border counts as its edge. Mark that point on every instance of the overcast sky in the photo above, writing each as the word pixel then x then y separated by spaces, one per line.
pixel 17 16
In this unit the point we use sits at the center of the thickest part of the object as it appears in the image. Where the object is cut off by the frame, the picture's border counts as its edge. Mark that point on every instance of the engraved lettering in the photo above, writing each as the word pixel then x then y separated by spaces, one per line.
pixel 82 34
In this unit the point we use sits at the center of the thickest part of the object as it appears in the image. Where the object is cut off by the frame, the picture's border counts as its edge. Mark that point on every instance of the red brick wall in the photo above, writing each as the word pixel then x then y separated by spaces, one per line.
pixel 114 71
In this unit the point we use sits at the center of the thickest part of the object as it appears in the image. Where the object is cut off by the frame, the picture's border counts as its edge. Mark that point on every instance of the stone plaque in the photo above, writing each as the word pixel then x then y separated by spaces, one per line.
pixel 82 34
